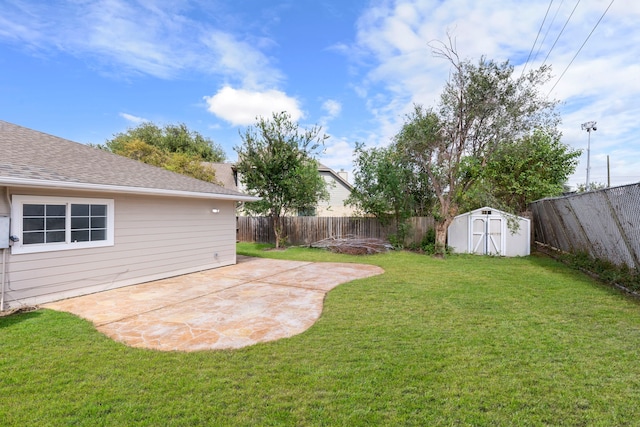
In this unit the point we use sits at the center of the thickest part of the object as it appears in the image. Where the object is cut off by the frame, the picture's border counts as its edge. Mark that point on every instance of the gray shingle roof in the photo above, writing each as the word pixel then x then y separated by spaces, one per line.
pixel 337 176
pixel 29 156
pixel 224 174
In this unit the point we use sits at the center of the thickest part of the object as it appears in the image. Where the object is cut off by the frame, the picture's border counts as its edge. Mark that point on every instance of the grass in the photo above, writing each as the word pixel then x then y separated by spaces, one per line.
pixel 464 341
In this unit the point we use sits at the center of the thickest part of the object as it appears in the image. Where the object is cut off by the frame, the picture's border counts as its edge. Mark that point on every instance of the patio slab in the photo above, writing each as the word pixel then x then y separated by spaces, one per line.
pixel 256 300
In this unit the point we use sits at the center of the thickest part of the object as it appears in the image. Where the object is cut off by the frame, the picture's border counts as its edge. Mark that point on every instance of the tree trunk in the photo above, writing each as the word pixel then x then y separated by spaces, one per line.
pixel 277 230
pixel 441 236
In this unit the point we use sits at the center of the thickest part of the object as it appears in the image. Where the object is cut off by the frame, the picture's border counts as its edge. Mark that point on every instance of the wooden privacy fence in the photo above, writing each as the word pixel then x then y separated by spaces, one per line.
pixel 304 230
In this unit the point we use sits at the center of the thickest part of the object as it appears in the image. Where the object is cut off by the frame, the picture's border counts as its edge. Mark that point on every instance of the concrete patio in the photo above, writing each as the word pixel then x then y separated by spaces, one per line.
pixel 256 300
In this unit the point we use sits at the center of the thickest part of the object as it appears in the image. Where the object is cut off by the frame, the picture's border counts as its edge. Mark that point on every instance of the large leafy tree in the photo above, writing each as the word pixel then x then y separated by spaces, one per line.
pixel 520 172
pixel 277 162
pixel 482 107
pixel 389 186
pixel 173 147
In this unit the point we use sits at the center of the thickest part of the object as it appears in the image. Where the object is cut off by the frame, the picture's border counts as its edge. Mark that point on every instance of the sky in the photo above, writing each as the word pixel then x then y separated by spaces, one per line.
pixel 86 70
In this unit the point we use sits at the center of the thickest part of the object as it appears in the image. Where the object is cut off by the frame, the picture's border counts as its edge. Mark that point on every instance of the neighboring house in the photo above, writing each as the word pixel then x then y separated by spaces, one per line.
pixel 83 220
pixel 339 190
pixel 226 175
pixel 337 185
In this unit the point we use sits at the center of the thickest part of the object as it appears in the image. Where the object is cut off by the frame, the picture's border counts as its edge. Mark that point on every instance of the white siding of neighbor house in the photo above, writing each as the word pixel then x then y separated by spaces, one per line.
pixel 338 193
pixel 155 237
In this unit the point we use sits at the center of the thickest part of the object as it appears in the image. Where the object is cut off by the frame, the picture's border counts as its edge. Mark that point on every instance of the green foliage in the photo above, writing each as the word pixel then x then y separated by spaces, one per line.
pixel 429 246
pixel 380 183
pixel 169 139
pixel 370 188
pixel 607 271
pixel 520 172
pixel 390 186
pixel 188 165
pixel 592 187
pixel 277 162
pixel 173 147
pixel 397 239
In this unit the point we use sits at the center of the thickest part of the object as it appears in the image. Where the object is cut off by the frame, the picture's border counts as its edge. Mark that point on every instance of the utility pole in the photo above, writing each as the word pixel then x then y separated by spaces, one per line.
pixel 589 126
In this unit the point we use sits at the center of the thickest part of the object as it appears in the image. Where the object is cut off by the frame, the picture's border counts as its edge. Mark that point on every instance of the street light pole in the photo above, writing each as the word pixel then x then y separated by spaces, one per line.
pixel 589 126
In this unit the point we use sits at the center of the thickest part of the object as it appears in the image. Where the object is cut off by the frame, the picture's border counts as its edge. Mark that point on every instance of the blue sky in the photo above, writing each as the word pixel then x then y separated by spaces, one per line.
pixel 87 69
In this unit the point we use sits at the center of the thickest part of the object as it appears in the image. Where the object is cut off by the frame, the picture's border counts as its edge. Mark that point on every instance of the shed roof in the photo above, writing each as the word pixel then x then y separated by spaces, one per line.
pixel 29 158
pixel 492 210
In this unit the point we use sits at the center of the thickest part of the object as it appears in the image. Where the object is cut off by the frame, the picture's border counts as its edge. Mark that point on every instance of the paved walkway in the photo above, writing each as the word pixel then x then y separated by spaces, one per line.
pixel 256 300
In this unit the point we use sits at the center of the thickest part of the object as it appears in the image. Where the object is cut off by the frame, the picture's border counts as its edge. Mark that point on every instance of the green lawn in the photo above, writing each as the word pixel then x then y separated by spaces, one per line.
pixel 462 341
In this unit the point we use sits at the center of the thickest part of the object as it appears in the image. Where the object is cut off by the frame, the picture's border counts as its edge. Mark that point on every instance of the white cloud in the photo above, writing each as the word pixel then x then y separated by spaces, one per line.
pixel 137 38
pixel 240 59
pixel 338 154
pixel 125 38
pixel 133 119
pixel 332 108
pixel 241 106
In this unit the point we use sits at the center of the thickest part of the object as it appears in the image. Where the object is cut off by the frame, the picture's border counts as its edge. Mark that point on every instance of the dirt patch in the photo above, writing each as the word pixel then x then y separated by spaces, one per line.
pixel 353 245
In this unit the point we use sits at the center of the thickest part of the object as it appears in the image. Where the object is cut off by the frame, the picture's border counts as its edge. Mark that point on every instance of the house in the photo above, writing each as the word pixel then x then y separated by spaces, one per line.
pixel 489 231
pixel 337 185
pixel 339 190
pixel 76 220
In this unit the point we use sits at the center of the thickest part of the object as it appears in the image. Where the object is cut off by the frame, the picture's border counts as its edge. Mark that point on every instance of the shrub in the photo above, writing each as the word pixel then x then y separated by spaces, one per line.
pixel 428 244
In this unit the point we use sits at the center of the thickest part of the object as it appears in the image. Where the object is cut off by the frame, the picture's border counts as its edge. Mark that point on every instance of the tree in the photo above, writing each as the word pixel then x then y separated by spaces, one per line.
pixel 520 172
pixel 277 162
pixel 170 139
pixel 388 186
pixel 593 186
pixel 481 107
pixel 173 147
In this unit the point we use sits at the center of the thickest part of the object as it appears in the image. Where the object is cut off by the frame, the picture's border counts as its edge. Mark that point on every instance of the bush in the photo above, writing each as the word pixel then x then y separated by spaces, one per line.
pixel 397 240
pixel 428 245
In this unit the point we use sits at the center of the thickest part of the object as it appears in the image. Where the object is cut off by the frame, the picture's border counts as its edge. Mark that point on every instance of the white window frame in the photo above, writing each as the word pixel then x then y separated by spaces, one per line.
pixel 17 203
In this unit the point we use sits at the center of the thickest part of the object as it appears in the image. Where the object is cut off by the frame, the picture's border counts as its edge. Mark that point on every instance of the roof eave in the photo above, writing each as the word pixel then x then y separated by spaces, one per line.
pixel 36 183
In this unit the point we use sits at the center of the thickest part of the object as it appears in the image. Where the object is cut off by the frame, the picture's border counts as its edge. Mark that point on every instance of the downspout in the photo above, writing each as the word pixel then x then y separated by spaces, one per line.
pixel 4 259
pixel 4 251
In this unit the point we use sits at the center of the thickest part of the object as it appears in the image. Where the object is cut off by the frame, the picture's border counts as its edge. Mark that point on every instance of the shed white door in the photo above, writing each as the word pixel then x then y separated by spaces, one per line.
pixel 486 234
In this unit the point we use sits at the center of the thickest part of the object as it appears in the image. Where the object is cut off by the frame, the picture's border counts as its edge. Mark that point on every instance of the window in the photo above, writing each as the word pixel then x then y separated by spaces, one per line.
pixel 55 223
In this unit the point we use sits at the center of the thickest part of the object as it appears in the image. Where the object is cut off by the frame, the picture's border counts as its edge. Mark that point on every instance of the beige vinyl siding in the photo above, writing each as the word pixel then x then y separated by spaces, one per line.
pixel 155 237
pixel 338 193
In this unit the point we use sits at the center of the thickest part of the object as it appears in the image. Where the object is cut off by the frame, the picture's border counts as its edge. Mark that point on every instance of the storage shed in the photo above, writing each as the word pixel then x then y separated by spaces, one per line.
pixel 485 231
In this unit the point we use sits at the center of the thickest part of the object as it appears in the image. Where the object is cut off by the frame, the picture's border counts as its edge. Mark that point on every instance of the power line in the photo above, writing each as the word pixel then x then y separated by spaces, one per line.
pixel 585 42
pixel 561 31
pixel 548 29
pixel 536 40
